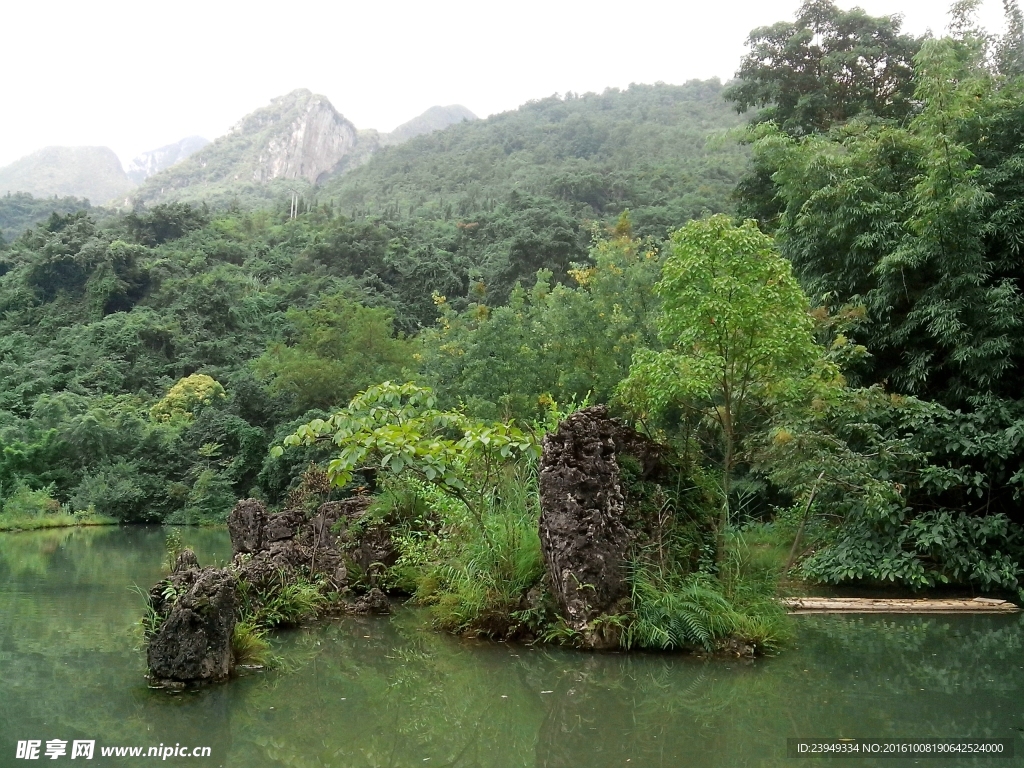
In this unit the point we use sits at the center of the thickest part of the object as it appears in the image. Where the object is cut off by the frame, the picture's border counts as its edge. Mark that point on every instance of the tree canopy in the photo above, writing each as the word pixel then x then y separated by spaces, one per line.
pixel 826 67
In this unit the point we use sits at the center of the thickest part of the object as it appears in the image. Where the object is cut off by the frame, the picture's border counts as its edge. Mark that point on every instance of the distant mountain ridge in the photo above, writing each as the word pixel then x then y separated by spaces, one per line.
pixel 148 163
pixel 90 172
pixel 298 141
pixel 295 143
pixel 434 119
pixel 297 138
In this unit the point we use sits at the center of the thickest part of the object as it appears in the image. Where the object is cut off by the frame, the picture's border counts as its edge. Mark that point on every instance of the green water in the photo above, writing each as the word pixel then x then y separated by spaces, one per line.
pixel 386 692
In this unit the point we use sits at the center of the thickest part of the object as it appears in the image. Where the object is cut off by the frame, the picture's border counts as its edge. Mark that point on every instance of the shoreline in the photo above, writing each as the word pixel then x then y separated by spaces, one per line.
pixel 56 521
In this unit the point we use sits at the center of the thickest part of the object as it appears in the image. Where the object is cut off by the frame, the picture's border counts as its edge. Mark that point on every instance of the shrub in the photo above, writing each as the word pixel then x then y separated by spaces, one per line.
pixel 672 611
pixel 280 603
pixel 25 504
pixel 114 489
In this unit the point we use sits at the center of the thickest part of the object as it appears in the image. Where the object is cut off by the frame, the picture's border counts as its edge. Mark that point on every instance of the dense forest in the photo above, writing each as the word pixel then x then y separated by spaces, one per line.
pixel 655 150
pixel 819 312
pixel 20 210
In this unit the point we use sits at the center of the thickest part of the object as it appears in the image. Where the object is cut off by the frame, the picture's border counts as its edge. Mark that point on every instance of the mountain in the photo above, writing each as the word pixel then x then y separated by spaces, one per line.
pixel 292 145
pixel 656 150
pixel 156 160
pixel 295 141
pixel 650 148
pixel 434 119
pixel 90 172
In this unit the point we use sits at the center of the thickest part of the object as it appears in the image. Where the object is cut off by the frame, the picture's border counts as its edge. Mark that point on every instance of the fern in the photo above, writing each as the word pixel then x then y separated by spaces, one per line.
pixel 669 612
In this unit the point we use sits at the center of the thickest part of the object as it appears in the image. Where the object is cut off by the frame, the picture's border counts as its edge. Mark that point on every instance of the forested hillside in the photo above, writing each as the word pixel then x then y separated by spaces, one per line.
pixel 654 149
pixel 20 210
pixel 835 375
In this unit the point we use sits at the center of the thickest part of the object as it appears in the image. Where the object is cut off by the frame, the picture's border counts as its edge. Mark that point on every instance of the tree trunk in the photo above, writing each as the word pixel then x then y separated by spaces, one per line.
pixel 723 521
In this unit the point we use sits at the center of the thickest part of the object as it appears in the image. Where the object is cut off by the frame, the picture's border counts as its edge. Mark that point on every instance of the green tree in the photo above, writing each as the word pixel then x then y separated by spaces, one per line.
pixel 737 334
pixel 561 341
pixel 339 347
pixel 166 222
pixel 398 429
pixel 919 224
pixel 825 67
pixel 186 396
pixel 816 72
pixel 881 504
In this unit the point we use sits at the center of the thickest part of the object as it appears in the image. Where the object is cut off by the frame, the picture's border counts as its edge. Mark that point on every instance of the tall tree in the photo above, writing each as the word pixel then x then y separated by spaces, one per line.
pixel 338 348
pixel 826 67
pixel 820 70
pixel 920 224
pixel 737 334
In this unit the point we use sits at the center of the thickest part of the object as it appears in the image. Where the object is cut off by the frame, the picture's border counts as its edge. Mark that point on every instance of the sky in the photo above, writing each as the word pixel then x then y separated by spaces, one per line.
pixel 135 76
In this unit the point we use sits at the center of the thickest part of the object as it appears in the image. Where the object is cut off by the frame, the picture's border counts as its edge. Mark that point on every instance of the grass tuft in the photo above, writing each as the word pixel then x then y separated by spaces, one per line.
pixel 280 604
pixel 249 645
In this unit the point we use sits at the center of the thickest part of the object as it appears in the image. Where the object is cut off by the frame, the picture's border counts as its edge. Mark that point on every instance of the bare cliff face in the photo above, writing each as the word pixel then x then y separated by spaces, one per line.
pixel 299 137
pixel 310 146
pixel 291 145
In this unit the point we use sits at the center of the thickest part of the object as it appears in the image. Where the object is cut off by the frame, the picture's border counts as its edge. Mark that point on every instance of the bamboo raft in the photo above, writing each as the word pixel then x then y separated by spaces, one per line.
pixel 885 605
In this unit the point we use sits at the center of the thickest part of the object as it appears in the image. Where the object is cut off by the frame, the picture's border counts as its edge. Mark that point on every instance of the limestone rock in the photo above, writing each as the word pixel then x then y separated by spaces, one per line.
pixel 247 526
pixel 583 538
pixel 312 144
pixel 185 561
pixel 284 526
pixel 193 643
pixel 373 550
pixel 267 545
pixel 652 457
pixel 373 601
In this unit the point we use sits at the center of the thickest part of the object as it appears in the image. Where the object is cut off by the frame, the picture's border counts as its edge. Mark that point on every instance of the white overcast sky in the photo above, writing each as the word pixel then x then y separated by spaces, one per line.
pixel 137 74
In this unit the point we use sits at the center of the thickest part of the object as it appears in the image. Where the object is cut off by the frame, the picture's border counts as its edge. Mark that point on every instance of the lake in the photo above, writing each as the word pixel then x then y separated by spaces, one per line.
pixel 388 691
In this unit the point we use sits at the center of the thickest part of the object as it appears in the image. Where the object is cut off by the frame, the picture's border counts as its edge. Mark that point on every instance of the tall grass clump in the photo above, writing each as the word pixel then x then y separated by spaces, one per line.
pixel 749 575
pixel 279 603
pixel 674 609
pixel 671 611
pixel 249 645
pixel 474 569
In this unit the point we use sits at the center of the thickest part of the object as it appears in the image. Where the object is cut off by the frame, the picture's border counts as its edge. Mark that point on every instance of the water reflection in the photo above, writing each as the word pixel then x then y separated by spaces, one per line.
pixel 384 692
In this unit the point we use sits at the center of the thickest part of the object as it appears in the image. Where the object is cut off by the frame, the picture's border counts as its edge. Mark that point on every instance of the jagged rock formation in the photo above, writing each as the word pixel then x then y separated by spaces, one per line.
pixel 247 526
pixel 197 612
pixel 156 160
pixel 374 601
pixel 585 533
pixel 299 137
pixel 298 141
pixel 582 534
pixel 91 172
pixel 314 142
pixel 326 544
